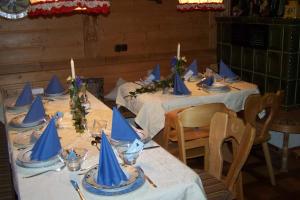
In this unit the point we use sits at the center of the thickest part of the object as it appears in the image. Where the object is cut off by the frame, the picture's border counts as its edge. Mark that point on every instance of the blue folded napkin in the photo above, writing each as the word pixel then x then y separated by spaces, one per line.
pixel 194 67
pixel 26 97
pixel 179 86
pixel 109 170
pixel 36 111
pixel 173 61
pixel 121 129
pixel 48 145
pixel 54 86
pixel 208 81
pixel 225 72
pixel 156 73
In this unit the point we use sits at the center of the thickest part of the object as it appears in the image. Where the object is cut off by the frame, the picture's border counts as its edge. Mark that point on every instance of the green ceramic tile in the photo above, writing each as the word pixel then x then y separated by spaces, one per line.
pixel 247 59
pixel 247 76
pixel 274 64
pixel 272 84
pixel 260 81
pixel 291 38
pixel 289 88
pixel 226 32
pixel 236 59
pixel 226 53
pixel 289 66
pixel 260 61
pixel 275 37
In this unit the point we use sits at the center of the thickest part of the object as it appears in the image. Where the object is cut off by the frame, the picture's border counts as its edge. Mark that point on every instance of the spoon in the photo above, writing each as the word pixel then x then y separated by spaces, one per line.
pixel 50 170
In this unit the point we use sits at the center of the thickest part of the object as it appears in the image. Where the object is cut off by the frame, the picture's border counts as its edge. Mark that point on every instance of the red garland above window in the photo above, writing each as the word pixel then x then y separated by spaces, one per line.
pixel 188 5
pixel 56 7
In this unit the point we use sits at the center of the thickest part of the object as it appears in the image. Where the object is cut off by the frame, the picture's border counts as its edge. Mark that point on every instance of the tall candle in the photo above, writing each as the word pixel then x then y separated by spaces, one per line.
pixel 72 68
pixel 178 51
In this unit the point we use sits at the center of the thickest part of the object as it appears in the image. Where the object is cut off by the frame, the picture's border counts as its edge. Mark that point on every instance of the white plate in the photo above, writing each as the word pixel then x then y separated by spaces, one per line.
pixel 232 80
pixel 26 139
pixel 217 87
pixel 135 180
pixel 56 94
pixel 17 122
pixel 24 160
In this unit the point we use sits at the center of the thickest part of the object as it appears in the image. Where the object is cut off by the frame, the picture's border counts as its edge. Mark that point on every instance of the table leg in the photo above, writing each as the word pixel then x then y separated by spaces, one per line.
pixel 285 153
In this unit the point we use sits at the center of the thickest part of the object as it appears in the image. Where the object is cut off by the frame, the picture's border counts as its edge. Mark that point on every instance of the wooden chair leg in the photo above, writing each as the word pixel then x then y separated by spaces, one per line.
pixel 239 192
pixel 269 162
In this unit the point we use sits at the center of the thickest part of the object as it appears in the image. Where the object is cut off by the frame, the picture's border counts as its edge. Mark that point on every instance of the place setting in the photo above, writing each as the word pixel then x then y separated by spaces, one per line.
pixel 55 90
pixel 22 102
pixel 35 118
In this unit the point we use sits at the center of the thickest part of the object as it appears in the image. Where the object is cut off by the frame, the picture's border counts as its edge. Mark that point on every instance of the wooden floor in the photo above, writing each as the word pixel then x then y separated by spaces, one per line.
pixel 257 185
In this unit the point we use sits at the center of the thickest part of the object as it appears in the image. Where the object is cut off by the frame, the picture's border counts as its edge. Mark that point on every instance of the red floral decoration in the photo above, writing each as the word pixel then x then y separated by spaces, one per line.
pixel 188 5
pixel 55 7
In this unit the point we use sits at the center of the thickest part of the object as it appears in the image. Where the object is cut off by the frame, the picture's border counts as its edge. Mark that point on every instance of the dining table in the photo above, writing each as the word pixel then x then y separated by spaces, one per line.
pixel 150 108
pixel 173 179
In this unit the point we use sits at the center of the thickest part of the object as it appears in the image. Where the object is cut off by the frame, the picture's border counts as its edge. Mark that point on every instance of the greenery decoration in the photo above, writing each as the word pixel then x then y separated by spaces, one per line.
pixel 178 65
pixel 77 92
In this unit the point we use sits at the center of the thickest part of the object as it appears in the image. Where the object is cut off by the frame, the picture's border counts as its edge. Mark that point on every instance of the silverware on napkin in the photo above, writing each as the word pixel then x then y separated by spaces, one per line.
pixel 75 185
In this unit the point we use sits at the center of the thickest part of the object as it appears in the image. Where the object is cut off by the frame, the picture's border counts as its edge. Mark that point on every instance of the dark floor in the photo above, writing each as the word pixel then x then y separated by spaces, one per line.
pixel 256 181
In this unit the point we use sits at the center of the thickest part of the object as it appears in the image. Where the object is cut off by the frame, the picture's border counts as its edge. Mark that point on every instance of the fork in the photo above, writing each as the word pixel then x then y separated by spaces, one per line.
pixel 148 179
pixel 50 170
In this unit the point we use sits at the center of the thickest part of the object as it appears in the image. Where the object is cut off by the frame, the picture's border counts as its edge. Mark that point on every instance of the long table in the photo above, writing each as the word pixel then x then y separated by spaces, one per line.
pixel 174 179
pixel 150 108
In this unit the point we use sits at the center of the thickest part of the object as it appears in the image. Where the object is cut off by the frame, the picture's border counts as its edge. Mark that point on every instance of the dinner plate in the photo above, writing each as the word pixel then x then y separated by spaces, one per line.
pixel 11 107
pixel 194 78
pixel 216 87
pixel 232 80
pixel 24 160
pixel 135 180
pixel 23 140
pixel 17 122
pixel 56 94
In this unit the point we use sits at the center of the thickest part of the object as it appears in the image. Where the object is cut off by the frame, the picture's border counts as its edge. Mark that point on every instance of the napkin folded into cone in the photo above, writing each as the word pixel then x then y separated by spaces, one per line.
pixel 121 130
pixel 192 70
pixel 48 145
pixel 54 86
pixel 155 74
pixel 26 97
pixel 109 170
pixel 36 111
pixel 225 71
pixel 179 86
pixel 208 81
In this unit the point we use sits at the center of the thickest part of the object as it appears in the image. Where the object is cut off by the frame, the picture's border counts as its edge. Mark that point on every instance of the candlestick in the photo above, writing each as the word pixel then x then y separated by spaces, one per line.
pixel 178 51
pixel 72 68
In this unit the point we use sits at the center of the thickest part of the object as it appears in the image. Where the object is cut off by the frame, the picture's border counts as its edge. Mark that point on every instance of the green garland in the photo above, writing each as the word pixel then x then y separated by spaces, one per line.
pixel 77 109
pixel 161 84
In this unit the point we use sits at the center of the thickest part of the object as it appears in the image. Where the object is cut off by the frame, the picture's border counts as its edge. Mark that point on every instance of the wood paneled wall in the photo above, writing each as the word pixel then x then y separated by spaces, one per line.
pixel 32 50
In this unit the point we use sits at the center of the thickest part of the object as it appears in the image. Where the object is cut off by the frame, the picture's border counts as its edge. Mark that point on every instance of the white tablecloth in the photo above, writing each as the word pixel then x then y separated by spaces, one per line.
pixel 174 179
pixel 150 108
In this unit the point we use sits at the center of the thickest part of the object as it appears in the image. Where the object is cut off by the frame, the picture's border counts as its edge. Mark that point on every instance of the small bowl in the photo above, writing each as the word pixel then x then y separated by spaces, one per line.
pixel 74 163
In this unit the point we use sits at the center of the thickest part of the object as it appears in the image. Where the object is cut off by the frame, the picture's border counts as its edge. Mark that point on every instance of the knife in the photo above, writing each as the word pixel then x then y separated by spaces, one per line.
pixel 75 185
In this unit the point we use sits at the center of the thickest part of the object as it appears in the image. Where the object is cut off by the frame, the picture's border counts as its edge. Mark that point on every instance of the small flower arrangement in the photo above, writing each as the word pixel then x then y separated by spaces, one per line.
pixel 178 65
pixel 77 92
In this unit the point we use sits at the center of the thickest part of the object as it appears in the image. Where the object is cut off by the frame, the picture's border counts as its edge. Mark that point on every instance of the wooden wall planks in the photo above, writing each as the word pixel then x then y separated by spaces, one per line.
pixel 35 49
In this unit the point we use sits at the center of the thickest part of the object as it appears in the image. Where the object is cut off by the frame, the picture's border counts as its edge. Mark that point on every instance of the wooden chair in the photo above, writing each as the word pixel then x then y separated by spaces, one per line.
pixel 259 111
pixel 223 127
pixel 6 184
pixel 191 130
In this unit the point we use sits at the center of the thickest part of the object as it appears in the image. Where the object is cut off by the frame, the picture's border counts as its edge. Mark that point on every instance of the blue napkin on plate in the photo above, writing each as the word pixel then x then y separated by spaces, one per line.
pixel 193 67
pixel 109 170
pixel 54 86
pixel 173 61
pixel 208 81
pixel 48 145
pixel 36 111
pixel 26 97
pixel 156 73
pixel 179 86
pixel 121 129
pixel 225 72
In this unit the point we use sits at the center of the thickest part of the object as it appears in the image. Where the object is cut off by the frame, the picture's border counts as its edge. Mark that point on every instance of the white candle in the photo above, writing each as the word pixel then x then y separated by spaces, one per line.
pixel 178 51
pixel 72 68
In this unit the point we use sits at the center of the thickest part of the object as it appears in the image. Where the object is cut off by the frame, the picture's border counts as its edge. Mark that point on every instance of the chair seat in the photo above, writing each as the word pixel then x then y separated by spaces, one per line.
pixel 213 187
pixel 190 134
